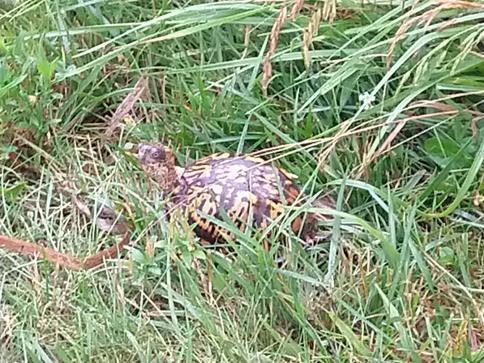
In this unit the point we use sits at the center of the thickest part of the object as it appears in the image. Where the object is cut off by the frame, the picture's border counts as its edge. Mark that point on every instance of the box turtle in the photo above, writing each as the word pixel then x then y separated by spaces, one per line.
pixel 242 186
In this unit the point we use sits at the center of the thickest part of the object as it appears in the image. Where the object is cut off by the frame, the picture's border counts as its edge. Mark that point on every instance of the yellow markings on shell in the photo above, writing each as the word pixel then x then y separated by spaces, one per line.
pixel 223 156
pixel 193 213
pixel 270 189
pixel 219 156
pixel 204 225
pixel 239 210
pixel 276 209
pixel 266 174
pixel 252 198
pixel 206 203
pixel 201 166
pixel 195 191
pixel 201 222
pixel 178 189
pixel 205 171
pixel 204 160
pixel 216 231
pixel 225 183
pixel 195 200
pixel 232 172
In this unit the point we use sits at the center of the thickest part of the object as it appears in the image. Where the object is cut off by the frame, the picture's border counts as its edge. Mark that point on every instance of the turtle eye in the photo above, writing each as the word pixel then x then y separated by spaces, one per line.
pixel 159 155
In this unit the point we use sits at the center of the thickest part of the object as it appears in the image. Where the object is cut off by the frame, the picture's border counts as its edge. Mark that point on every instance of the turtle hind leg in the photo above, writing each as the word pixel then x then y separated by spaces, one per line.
pixel 312 234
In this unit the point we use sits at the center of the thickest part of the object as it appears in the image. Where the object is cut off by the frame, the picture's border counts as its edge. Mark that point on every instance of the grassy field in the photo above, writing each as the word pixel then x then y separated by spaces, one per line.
pixel 381 103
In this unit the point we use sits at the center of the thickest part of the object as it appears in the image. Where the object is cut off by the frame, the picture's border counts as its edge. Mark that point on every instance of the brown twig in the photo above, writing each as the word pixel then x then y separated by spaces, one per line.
pixel 59 258
pixel 31 249
pixel 111 252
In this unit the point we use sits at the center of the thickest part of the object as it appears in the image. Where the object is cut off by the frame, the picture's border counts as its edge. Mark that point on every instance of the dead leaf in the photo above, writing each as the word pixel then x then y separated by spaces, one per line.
pixel 83 208
pixel 107 219
pixel 475 128
pixel 111 222
pixel 126 106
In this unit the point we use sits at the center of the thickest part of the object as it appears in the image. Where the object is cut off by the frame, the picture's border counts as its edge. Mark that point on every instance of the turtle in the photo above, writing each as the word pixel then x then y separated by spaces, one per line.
pixel 223 184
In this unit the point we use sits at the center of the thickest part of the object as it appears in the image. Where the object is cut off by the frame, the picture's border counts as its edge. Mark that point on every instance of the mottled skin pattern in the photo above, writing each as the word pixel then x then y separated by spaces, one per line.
pixel 158 161
pixel 238 184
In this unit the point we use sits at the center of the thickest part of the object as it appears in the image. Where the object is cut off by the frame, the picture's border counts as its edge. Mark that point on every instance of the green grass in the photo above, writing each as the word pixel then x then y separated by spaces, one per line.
pixel 408 284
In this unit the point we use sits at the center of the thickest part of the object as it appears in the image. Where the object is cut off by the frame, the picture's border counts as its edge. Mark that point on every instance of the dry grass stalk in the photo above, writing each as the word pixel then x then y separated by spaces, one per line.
pixel 459 287
pixel 7 324
pixel 149 247
pixel 475 128
pixel 329 10
pixel 247 32
pixel 385 147
pixel 329 144
pixel 107 219
pixel 444 108
pixel 126 106
pixel 164 98
pixel 426 18
pixel 441 106
pixel 296 8
pixel 308 35
pixel 266 64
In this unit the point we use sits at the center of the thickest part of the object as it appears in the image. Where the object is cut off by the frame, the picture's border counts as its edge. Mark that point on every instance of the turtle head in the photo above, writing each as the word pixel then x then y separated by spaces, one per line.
pixel 158 162
pixel 151 153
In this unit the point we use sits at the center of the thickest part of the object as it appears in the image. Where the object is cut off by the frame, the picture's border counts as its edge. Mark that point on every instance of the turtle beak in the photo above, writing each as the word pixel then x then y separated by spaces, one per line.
pixel 141 154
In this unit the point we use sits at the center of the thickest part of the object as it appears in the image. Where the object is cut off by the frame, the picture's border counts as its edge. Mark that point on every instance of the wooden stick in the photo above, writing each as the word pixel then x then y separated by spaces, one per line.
pixel 59 258
pixel 111 252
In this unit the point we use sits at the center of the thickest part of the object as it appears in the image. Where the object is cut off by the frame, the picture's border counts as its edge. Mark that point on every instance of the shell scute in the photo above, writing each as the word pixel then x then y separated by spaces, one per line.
pixel 241 185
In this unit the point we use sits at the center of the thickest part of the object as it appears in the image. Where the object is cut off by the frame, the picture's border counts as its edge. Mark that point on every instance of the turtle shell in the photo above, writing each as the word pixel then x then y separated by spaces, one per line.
pixel 241 186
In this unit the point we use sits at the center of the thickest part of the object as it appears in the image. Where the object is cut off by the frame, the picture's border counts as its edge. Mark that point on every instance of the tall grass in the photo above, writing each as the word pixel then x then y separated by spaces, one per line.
pixel 382 106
